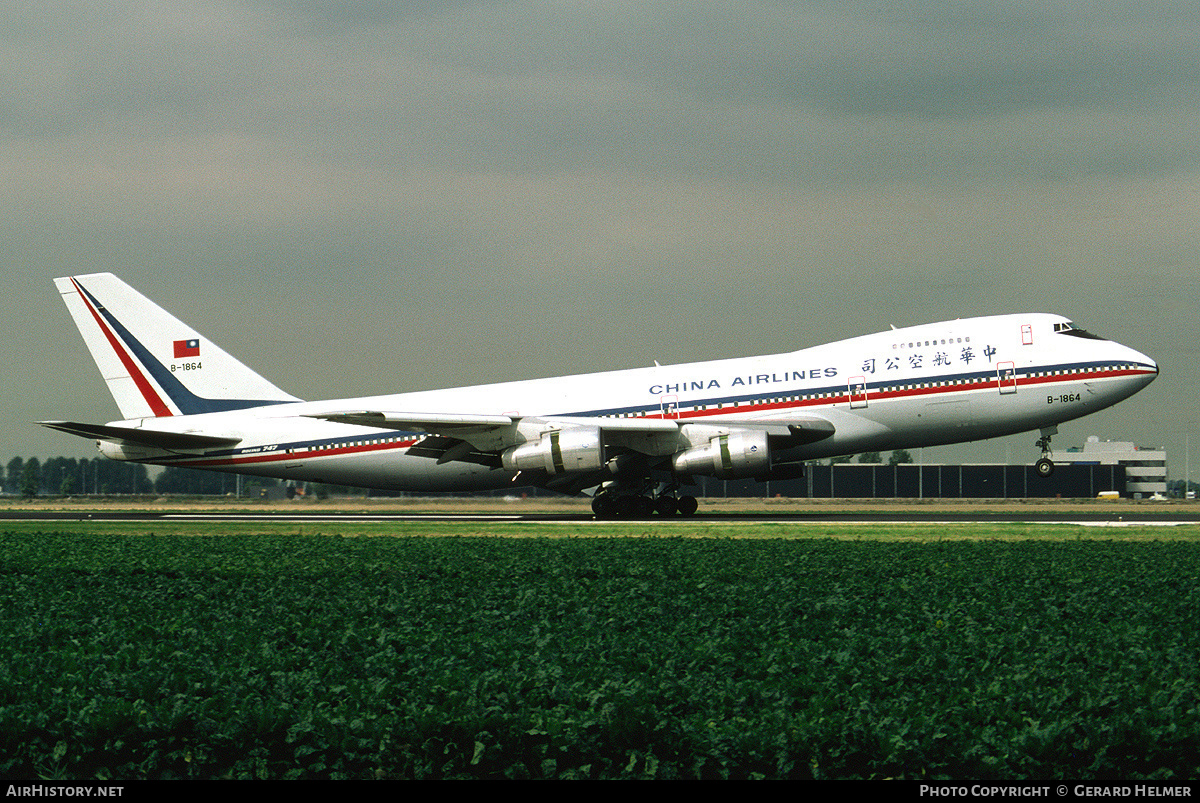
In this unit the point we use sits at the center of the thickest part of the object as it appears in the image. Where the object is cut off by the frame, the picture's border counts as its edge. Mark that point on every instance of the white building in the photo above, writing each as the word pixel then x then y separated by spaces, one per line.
pixel 1145 469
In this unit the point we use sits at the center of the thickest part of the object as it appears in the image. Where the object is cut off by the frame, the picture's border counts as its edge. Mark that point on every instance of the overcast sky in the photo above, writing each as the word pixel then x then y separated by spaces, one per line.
pixel 371 197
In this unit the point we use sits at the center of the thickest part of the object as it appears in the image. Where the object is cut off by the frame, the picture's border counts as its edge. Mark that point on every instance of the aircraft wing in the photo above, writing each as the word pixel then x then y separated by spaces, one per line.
pixel 141 437
pixel 466 434
pixel 415 422
pixel 486 433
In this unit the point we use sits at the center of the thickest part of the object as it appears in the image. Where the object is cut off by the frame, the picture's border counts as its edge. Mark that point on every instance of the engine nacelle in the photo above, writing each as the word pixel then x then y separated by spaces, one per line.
pixel 736 455
pixel 558 451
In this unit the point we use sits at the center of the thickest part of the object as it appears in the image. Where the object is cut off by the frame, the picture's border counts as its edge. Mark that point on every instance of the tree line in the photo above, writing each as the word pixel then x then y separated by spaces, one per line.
pixel 67 476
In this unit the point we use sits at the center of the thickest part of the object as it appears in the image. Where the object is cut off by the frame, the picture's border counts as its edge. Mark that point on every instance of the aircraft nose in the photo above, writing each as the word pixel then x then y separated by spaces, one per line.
pixel 1146 366
pixel 1147 362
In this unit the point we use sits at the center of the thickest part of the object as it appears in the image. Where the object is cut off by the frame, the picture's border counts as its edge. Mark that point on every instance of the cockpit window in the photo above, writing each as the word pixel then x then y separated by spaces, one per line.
pixel 1071 329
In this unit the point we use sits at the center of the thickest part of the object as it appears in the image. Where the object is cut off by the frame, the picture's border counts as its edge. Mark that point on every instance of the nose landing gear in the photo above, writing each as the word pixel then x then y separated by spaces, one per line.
pixel 1045 466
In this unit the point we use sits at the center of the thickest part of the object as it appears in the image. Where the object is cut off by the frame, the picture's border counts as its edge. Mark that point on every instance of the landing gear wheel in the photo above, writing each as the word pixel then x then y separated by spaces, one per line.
pixel 626 507
pixel 643 507
pixel 1044 467
pixel 604 506
pixel 665 506
pixel 687 505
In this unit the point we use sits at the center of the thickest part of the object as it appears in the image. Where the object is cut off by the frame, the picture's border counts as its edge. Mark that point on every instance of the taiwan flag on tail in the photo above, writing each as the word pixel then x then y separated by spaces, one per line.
pixel 187 348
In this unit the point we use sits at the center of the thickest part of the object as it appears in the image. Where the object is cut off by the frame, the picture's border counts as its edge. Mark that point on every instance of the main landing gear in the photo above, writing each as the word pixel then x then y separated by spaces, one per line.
pixel 1045 466
pixel 608 505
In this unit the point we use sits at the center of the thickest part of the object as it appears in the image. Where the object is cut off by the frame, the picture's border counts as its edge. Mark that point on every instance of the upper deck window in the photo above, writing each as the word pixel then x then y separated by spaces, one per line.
pixel 1069 328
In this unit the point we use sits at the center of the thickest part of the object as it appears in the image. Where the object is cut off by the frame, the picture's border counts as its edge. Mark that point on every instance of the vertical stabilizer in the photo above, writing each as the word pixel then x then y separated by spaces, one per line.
pixel 155 364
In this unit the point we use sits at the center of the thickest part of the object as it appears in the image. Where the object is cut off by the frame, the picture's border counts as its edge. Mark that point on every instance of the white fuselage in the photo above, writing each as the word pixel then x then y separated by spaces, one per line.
pixel 927 385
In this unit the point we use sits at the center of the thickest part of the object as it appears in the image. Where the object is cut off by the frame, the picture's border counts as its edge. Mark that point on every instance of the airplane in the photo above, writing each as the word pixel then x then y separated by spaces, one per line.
pixel 633 440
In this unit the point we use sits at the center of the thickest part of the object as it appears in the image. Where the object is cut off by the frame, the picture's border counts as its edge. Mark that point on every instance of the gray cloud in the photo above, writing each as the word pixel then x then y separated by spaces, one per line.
pixel 518 189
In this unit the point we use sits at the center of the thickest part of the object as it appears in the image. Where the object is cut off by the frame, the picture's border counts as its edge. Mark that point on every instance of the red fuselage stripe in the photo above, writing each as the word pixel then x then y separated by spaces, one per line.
pixel 157 406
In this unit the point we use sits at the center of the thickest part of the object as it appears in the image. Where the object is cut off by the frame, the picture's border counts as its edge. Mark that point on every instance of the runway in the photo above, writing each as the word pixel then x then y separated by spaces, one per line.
pixel 1098 518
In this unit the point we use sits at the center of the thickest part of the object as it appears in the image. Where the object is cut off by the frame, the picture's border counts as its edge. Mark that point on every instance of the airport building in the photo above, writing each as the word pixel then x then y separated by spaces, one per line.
pixel 931 481
pixel 1145 469
pixel 1081 472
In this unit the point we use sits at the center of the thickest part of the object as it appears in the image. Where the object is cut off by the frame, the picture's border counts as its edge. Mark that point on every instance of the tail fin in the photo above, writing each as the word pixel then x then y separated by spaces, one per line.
pixel 156 365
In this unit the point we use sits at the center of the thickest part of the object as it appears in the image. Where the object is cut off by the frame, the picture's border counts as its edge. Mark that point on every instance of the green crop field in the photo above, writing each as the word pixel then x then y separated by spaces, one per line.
pixel 466 650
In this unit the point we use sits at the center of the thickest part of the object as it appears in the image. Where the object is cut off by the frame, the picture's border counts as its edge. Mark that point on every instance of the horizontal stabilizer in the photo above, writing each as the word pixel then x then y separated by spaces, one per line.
pixel 141 437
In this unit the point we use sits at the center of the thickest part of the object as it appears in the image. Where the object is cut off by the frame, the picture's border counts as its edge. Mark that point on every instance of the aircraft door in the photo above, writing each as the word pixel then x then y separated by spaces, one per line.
pixel 1026 334
pixel 670 406
pixel 857 391
pixel 1006 377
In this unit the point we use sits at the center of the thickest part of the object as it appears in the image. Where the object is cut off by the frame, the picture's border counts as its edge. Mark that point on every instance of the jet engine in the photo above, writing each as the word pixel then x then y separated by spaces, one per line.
pixel 558 451
pixel 735 455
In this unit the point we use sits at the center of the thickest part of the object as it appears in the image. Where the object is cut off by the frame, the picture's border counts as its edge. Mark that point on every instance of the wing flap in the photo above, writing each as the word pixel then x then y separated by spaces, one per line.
pixel 445 450
pixel 797 430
